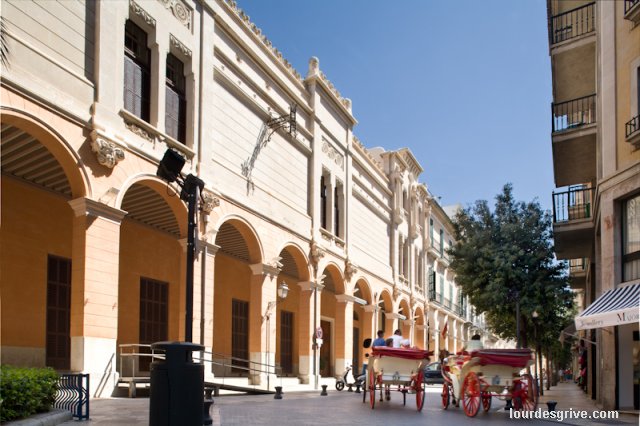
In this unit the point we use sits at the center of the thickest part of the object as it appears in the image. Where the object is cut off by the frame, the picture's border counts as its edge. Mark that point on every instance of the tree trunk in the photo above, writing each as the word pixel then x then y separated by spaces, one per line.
pixel 548 369
pixel 541 380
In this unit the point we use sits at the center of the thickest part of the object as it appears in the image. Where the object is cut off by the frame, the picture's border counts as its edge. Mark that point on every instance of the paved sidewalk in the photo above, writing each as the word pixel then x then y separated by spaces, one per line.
pixel 570 396
pixel 345 408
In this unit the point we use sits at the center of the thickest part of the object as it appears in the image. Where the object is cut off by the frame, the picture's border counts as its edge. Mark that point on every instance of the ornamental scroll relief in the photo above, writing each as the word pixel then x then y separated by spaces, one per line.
pixel 135 8
pixel 109 154
pixel 181 11
pixel 332 153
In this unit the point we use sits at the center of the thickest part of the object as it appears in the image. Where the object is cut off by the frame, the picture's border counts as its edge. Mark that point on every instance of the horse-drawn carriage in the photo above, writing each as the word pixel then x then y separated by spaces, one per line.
pixel 477 377
pixel 399 368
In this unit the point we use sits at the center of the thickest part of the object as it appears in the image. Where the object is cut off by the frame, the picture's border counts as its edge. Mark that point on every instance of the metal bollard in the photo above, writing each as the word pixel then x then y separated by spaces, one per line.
pixel 551 405
pixel 177 386
pixel 350 386
pixel 206 415
pixel 358 387
pixel 324 391
pixel 278 394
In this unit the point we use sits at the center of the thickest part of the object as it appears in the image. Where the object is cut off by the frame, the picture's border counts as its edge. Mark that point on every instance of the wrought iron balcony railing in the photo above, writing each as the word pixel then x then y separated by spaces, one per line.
pixel 573 204
pixel 572 23
pixel 573 114
pixel 447 304
pixel 633 125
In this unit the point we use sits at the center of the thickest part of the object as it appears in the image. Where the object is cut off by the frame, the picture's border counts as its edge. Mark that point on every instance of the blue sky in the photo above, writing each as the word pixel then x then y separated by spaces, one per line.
pixel 465 84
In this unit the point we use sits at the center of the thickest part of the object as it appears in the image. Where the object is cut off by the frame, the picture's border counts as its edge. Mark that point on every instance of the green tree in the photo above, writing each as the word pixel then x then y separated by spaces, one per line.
pixel 504 259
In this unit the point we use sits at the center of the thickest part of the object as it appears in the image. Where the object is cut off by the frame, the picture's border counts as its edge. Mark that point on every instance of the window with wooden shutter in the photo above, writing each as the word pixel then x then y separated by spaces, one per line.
pixel 240 336
pixel 137 77
pixel 154 312
pixel 323 203
pixel 286 342
pixel 175 100
pixel 58 345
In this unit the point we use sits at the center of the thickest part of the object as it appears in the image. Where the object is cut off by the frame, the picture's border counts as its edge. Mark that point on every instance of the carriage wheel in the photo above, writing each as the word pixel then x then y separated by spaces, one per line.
pixel 372 388
pixel 471 394
pixel 445 396
pixel 486 401
pixel 418 386
pixel 525 394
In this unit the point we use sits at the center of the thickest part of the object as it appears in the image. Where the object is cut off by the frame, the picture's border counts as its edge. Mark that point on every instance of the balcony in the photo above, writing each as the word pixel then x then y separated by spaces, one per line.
pixel 572 222
pixel 578 273
pixel 573 125
pixel 632 129
pixel 572 24
pixel 447 304
pixel 632 11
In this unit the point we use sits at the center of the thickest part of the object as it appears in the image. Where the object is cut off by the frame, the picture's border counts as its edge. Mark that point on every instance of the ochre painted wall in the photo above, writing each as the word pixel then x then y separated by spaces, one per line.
pixel 232 279
pixel 35 223
pixel 145 252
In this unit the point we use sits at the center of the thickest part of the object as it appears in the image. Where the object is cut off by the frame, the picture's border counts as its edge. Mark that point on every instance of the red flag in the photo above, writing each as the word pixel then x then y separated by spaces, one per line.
pixel 444 330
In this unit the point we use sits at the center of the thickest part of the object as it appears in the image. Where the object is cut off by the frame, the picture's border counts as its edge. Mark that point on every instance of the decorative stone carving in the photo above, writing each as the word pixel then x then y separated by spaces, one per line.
pixel 139 131
pixel 179 46
pixel 349 269
pixel 109 154
pixel 233 6
pixel 135 8
pixel 314 67
pixel 209 202
pixel 332 153
pixel 275 262
pixel 316 254
pixel 181 11
pixel 396 292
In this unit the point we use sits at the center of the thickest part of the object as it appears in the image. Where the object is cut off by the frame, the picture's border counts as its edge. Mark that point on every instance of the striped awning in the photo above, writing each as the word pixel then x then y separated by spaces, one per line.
pixel 615 307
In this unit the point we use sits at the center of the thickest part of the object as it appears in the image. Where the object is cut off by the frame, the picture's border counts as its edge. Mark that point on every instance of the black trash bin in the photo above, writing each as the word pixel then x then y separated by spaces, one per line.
pixel 177 386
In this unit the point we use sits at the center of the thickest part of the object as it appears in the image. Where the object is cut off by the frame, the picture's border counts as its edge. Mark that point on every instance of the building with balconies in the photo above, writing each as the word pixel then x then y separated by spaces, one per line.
pixel 594 48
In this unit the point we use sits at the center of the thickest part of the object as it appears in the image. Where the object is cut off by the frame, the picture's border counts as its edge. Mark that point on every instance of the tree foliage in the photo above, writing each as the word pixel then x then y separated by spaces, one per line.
pixel 506 255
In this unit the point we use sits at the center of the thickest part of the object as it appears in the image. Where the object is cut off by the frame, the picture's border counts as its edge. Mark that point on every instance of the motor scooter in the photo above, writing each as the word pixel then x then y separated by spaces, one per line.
pixel 348 379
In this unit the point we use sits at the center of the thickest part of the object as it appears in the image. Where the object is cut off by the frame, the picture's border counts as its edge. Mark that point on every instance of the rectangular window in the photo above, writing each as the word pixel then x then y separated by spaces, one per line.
pixel 240 335
pixel 441 241
pixel 631 239
pixel 154 320
pixel 137 80
pixel 175 101
pixel 431 232
pixel 323 203
pixel 441 296
pixel 432 284
pixel 336 210
pixel 286 342
pixel 58 344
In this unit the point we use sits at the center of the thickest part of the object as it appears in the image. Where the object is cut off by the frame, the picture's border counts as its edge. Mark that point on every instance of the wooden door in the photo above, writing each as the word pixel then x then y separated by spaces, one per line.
pixel 325 350
pixel 240 336
pixel 286 342
pixel 58 339
pixel 154 312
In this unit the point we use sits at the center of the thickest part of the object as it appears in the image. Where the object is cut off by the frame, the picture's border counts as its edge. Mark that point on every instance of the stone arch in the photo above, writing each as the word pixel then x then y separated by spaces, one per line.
pixel 419 328
pixel 405 324
pixel 55 144
pixel 41 173
pixel 168 196
pixel 238 306
pixel 385 306
pixel 290 311
pixel 249 234
pixel 151 278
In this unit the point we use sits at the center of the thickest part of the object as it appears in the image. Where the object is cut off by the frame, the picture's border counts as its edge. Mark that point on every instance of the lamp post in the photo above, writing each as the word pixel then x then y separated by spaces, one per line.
pixel 283 290
pixel 169 170
pixel 535 315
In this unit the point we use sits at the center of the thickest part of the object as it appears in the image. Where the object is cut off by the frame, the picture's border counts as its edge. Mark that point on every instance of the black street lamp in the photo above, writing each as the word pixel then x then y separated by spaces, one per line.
pixel 169 170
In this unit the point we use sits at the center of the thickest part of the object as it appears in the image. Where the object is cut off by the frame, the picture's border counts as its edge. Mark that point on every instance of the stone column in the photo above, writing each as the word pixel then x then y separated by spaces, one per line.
pixel 306 328
pixel 94 292
pixel 205 270
pixel 262 321
pixel 344 333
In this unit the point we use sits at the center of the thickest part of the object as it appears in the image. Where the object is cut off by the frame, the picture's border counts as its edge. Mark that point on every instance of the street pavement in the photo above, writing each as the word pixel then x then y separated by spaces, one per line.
pixel 346 408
